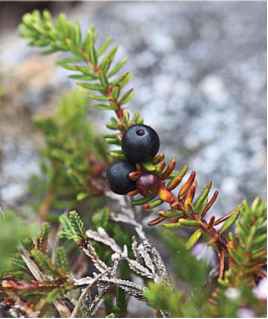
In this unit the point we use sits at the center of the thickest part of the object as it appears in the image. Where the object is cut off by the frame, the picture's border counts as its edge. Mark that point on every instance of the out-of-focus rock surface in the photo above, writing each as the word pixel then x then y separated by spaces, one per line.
pixel 199 79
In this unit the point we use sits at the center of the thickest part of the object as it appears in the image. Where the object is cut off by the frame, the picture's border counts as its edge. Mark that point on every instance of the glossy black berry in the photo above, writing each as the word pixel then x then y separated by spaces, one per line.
pixel 117 174
pixel 140 143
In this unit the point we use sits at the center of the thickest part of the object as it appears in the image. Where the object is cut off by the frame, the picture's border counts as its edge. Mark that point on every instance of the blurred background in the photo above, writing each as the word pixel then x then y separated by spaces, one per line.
pixel 199 76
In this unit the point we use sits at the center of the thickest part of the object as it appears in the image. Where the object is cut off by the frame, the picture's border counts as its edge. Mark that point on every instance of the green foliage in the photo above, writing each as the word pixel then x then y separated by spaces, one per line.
pixel 247 246
pixel 34 276
pixel 61 260
pixel 92 65
pixel 202 199
pixel 101 218
pixel 193 239
pixel 185 264
pixel 230 301
pixel 66 36
pixel 73 227
pixel 168 300
pixel 13 231
pixel 230 221
pixel 72 153
pixel 163 297
pixel 54 294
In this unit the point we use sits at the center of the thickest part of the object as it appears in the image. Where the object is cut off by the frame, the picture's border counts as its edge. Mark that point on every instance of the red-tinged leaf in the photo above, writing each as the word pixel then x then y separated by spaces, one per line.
pixel 156 221
pixel 133 193
pixel 166 195
pixel 209 204
pixel 228 220
pixel 169 169
pixel 134 175
pixel 189 197
pixel 175 181
pixel 187 185
pixel 158 158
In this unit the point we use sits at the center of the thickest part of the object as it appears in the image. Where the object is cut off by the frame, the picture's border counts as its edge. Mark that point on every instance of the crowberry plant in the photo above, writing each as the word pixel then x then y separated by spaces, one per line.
pixel 108 249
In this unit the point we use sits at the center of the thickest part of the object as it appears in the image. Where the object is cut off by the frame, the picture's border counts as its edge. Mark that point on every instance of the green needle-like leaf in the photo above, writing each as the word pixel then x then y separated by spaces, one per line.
pixel 193 239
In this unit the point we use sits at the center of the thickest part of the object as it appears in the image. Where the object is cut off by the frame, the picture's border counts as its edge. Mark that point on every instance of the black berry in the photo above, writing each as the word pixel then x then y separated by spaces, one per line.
pixel 140 143
pixel 117 175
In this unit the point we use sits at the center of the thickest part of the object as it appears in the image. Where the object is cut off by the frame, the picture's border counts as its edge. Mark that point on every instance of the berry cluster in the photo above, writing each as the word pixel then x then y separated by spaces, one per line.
pixel 140 143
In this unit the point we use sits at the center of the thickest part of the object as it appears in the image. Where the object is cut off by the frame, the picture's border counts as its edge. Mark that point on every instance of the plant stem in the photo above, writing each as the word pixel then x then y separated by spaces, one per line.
pixel 43 210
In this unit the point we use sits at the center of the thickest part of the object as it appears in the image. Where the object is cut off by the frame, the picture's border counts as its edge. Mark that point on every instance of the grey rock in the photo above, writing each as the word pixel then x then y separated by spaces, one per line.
pixel 200 80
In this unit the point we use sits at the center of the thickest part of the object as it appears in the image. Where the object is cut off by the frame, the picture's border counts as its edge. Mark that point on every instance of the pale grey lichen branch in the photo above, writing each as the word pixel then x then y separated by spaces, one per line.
pixel 147 262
